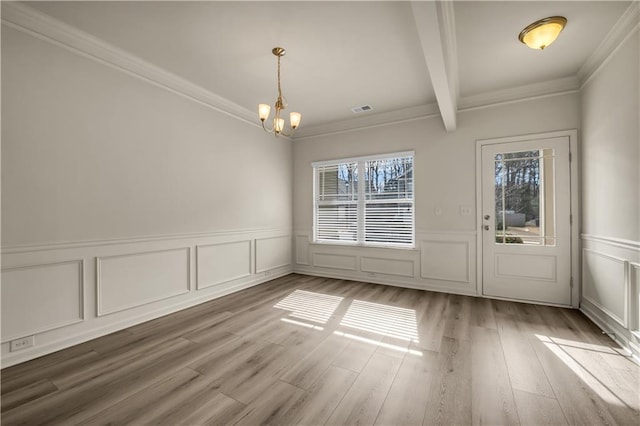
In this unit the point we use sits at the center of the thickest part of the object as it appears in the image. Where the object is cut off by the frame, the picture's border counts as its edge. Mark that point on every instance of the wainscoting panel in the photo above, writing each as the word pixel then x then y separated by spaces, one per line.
pixel 611 287
pixel 302 249
pixel 440 261
pixel 222 262
pixel 272 253
pixel 445 260
pixel 130 280
pixel 42 297
pixel 67 293
pixel 604 284
pixel 379 265
pixel 334 261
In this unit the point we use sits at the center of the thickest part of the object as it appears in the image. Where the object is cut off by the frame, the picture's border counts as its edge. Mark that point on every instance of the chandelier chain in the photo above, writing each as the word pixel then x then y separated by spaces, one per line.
pixel 279 88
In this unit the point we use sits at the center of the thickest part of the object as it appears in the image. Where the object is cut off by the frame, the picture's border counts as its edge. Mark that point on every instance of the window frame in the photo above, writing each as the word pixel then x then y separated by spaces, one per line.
pixel 361 200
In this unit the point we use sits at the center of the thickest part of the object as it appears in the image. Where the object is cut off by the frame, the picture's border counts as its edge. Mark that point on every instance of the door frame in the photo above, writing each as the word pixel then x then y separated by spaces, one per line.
pixel 574 207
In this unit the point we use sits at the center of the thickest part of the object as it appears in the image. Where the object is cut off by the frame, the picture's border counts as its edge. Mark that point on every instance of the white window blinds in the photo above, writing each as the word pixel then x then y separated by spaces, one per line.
pixel 337 202
pixel 367 201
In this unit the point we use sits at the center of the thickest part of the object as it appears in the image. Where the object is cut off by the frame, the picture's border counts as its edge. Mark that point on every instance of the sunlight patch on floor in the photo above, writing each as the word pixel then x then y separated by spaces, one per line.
pixel 310 306
pixel 385 320
pixel 558 347
pixel 301 324
pixel 378 343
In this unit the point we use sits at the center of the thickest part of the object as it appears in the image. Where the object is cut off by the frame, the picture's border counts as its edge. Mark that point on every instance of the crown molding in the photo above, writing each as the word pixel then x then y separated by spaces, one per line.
pixel 619 33
pixel 26 19
pixel 369 121
pixel 468 103
pixel 520 93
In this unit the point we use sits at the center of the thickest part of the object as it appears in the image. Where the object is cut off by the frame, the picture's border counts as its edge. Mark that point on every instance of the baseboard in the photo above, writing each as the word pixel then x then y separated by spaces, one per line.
pixel 395 282
pixel 624 338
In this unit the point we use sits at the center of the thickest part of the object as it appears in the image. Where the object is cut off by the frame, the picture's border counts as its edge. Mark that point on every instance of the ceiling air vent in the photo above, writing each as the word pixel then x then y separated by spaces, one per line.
pixel 362 108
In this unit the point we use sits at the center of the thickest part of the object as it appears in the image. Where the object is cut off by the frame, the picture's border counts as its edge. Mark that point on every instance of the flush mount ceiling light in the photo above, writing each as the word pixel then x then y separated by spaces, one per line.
pixel 281 103
pixel 542 33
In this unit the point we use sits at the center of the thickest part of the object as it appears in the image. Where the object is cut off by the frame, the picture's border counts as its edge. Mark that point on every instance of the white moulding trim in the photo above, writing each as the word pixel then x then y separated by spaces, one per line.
pixel 100 311
pixel 620 32
pixel 616 242
pixel 270 267
pixel 81 301
pixel 26 19
pixel 199 247
pixel 559 86
pixel 399 116
pixel 624 321
pixel 138 239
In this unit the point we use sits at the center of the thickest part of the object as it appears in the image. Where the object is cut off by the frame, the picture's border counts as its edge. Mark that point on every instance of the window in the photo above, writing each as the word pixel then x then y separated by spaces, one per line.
pixel 365 201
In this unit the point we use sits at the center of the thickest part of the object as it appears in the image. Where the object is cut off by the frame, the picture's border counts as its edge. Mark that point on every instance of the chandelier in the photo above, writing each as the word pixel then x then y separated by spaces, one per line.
pixel 264 110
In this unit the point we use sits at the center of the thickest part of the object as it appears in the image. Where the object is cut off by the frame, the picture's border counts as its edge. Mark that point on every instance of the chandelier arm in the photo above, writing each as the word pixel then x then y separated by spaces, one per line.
pixel 266 129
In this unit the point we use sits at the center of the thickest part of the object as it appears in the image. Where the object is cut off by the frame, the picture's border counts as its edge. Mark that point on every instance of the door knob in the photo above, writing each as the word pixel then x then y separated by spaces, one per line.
pixel 486 227
pixel 487 217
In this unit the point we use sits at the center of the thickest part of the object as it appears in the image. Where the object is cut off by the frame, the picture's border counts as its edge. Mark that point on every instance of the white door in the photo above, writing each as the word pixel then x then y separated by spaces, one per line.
pixel 526 222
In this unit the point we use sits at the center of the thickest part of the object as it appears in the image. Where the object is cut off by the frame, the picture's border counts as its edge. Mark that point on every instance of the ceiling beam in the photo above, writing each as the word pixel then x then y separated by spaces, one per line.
pixel 435 25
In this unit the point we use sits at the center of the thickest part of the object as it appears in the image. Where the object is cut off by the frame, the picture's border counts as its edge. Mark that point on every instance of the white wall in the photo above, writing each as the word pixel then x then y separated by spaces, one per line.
pixel 445 178
pixel 122 201
pixel 611 192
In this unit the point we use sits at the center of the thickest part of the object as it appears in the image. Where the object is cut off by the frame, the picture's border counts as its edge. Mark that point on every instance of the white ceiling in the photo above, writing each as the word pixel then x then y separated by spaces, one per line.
pixel 345 54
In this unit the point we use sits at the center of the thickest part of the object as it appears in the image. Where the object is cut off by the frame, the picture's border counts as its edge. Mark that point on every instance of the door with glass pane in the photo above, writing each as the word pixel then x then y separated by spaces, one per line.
pixel 526 229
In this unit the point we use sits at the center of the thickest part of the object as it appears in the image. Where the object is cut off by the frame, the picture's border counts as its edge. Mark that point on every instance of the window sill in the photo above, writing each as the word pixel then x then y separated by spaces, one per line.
pixel 364 246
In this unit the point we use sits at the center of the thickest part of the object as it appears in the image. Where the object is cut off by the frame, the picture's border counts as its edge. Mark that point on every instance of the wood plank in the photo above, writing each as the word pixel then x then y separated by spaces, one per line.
pixel 458 317
pixel 317 404
pixel 431 313
pixel 492 397
pixel 155 402
pixel 364 399
pixel 222 361
pixel 92 396
pixel 271 407
pixel 525 371
pixel 257 374
pixel 450 393
pixel 579 399
pixel 537 410
pixel 354 356
pixel 408 395
pixel 28 393
pixel 482 314
pixel 29 373
pixel 305 372
pixel 624 387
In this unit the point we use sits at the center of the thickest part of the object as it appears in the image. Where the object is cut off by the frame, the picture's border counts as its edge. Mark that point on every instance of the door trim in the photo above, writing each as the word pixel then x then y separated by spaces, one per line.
pixel 574 207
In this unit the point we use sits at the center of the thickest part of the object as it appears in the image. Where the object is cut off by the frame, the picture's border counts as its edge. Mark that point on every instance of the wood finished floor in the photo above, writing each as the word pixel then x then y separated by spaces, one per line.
pixel 309 350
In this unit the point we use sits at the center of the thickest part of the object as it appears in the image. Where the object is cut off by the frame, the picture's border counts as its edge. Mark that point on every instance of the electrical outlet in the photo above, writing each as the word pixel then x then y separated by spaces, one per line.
pixel 437 211
pixel 25 342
